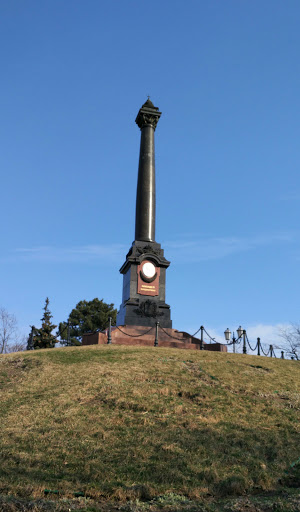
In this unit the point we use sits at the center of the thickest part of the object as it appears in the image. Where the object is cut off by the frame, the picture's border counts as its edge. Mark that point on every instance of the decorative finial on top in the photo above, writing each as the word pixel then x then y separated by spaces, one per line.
pixel 148 115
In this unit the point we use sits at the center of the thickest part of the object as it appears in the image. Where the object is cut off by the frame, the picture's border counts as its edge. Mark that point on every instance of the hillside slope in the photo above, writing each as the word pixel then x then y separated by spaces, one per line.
pixel 106 420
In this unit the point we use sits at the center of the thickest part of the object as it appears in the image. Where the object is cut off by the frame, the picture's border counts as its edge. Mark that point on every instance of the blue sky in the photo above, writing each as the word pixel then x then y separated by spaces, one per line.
pixel 226 76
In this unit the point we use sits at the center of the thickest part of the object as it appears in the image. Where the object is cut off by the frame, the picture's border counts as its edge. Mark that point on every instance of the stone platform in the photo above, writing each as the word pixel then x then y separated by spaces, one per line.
pixel 179 339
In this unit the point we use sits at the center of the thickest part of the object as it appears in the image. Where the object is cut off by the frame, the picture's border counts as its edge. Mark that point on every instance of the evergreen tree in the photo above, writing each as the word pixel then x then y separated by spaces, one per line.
pixel 87 316
pixel 42 337
pixel 30 339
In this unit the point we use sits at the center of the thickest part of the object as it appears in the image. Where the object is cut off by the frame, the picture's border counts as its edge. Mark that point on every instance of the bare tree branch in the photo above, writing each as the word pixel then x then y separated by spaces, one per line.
pixel 8 329
pixel 291 337
pixel 18 346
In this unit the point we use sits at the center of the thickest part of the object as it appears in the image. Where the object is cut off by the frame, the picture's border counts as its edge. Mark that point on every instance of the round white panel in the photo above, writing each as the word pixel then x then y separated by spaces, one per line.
pixel 149 269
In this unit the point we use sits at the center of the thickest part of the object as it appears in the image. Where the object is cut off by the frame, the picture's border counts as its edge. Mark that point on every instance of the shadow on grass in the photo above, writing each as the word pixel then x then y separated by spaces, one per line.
pixel 223 462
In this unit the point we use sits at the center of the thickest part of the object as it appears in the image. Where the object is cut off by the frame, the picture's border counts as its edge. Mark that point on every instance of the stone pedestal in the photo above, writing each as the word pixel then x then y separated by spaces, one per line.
pixel 134 335
pixel 143 300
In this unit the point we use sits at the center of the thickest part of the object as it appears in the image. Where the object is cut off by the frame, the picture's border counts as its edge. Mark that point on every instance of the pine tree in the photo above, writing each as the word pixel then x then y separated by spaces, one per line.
pixel 43 337
pixel 30 339
pixel 87 316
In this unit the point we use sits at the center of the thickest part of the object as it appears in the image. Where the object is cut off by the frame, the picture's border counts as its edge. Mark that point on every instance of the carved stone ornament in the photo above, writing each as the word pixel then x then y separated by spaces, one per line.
pixel 147 249
pixel 148 119
pixel 148 308
pixel 148 115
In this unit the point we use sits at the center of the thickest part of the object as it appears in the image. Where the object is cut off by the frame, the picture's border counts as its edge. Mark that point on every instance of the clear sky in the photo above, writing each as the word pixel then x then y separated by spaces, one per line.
pixel 226 76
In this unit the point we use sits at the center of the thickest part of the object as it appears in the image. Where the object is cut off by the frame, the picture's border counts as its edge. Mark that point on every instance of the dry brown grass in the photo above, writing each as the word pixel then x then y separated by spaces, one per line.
pixel 105 419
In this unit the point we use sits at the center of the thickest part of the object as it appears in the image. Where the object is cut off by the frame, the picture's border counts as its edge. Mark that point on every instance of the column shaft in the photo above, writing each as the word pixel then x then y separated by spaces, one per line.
pixel 145 197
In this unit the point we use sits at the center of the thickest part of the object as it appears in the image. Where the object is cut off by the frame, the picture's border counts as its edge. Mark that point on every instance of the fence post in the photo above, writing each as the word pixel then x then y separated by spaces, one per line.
pixel 68 334
pixel 156 334
pixel 244 342
pixel 271 350
pixel 258 346
pixel 282 354
pixel 31 337
pixel 109 331
pixel 201 340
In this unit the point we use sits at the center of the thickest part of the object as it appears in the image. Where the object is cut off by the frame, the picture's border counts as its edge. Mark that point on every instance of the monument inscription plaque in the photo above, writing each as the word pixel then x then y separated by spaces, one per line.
pixel 148 278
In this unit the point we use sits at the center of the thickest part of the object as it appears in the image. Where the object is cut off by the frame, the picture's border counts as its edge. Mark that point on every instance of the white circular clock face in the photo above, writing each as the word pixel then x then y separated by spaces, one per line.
pixel 148 269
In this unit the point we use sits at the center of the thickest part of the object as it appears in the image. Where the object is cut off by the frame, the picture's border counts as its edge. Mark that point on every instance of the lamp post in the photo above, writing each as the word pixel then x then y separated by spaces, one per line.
pixel 244 342
pixel 240 331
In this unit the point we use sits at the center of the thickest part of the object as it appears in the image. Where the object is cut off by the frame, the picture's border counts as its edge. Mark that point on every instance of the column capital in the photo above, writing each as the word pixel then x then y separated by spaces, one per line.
pixel 148 115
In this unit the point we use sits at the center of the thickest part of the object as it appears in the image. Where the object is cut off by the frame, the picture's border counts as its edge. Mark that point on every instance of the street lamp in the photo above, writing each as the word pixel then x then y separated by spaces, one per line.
pixel 240 332
pixel 227 334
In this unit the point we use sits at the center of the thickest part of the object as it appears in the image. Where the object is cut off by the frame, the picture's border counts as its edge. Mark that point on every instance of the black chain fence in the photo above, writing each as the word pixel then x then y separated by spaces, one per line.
pixel 242 338
pixel 135 335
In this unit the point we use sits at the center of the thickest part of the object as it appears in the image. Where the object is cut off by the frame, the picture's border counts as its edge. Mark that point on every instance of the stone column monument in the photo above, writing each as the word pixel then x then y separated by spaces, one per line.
pixel 144 271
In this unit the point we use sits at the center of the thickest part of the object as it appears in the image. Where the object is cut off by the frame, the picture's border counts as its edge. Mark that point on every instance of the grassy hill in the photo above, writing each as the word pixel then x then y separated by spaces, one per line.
pixel 128 423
